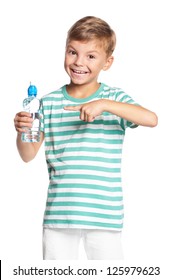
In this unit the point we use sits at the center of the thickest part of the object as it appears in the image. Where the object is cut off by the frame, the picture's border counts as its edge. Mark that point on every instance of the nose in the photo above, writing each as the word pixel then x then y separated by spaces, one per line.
pixel 79 61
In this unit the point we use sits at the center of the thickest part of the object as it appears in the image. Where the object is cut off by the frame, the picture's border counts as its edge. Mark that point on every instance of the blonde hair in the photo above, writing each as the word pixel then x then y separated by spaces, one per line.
pixel 91 28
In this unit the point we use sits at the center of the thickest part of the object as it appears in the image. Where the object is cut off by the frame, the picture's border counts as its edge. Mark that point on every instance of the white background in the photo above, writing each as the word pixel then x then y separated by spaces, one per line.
pixel 32 37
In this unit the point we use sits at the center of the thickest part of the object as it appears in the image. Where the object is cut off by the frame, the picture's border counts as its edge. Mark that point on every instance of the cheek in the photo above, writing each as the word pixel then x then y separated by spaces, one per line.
pixel 99 66
pixel 66 61
pixel 65 65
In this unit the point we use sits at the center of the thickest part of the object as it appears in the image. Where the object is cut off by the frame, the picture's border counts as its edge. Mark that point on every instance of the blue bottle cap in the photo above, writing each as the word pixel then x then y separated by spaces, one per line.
pixel 32 90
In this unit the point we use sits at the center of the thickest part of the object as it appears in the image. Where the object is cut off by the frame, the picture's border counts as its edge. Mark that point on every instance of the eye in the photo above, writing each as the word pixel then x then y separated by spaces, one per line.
pixel 72 52
pixel 91 56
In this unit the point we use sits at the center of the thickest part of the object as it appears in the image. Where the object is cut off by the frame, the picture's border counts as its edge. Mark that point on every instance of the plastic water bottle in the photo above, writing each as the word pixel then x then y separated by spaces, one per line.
pixel 31 104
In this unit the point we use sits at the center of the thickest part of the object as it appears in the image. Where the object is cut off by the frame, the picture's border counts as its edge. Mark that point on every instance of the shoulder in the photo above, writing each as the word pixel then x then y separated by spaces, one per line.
pixel 116 94
pixel 112 92
pixel 54 95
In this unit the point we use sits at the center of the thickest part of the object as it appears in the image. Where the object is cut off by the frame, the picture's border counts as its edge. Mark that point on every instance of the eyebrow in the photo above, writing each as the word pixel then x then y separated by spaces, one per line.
pixel 91 51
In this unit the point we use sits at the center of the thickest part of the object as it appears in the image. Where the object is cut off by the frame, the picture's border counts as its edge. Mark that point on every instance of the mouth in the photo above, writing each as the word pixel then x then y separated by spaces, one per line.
pixel 79 72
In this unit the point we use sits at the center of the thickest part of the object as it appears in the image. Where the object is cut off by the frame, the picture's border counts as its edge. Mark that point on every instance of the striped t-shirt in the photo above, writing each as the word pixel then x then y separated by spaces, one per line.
pixel 84 162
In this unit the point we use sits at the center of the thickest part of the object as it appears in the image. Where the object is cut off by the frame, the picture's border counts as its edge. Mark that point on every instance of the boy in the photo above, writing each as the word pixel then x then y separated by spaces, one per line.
pixel 83 127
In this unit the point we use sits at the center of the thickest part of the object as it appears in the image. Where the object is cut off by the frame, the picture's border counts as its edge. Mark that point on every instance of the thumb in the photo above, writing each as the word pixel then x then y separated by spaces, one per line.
pixel 72 108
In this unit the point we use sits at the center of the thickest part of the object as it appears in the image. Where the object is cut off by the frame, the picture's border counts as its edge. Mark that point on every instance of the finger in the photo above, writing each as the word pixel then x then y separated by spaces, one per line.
pixel 20 130
pixel 23 117
pixel 83 115
pixel 72 108
pixel 23 114
pixel 21 121
pixel 21 127
pixel 90 118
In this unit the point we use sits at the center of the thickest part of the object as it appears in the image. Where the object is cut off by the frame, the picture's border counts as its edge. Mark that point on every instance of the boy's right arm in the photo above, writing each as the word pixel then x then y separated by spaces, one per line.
pixel 27 151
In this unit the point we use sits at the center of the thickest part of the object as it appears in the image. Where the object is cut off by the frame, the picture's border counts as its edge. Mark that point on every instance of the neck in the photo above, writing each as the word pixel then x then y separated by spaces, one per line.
pixel 82 91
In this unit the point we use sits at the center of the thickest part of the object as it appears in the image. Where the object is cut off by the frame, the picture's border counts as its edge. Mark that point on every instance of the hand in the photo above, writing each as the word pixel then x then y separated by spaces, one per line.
pixel 88 111
pixel 21 120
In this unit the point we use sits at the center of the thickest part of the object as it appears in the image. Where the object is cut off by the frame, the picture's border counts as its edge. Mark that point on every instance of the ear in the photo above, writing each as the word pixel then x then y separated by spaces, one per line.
pixel 108 63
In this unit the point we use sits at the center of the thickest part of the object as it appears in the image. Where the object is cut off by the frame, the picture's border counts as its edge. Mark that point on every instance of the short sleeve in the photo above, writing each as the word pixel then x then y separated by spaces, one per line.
pixel 121 96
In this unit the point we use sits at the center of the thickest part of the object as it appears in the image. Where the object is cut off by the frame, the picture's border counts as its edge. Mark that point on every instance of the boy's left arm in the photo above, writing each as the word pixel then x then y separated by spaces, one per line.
pixel 133 113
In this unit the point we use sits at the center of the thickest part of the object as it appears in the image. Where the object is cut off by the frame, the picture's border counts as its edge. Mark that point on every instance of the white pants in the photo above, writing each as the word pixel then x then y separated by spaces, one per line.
pixel 63 244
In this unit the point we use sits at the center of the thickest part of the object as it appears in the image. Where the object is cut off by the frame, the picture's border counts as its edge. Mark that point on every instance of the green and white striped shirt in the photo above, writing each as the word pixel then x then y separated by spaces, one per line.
pixel 84 162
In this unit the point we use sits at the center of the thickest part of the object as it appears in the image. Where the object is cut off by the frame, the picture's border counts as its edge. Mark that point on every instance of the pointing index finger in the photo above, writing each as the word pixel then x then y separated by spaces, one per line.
pixel 72 108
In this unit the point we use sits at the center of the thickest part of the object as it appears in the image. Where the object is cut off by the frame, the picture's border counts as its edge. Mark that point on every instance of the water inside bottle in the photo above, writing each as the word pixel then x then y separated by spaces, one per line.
pixel 32 134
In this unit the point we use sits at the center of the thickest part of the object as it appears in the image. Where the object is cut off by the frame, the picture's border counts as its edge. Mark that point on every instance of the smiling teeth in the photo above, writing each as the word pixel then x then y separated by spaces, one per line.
pixel 79 72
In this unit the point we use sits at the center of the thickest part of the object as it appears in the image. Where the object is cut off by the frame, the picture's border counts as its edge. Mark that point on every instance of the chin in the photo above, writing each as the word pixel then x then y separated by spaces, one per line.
pixel 76 82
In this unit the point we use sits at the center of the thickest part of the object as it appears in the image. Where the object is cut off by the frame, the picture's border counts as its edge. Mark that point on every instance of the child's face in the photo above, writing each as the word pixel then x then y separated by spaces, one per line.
pixel 85 60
